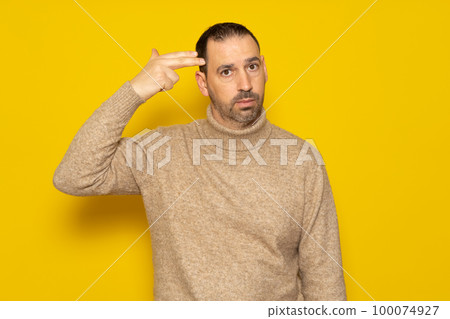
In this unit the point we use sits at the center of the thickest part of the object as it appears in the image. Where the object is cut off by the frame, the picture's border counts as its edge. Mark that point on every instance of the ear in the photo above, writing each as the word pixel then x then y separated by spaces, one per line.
pixel 265 69
pixel 201 82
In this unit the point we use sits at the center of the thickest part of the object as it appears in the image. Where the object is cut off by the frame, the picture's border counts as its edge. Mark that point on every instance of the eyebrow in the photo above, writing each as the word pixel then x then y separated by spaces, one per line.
pixel 227 66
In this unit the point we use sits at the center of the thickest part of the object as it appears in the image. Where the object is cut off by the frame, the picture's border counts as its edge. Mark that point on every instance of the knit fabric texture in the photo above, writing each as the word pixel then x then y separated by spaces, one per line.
pixel 232 213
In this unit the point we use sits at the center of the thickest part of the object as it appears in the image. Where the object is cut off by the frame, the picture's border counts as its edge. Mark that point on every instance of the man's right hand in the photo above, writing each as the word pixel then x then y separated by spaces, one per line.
pixel 161 69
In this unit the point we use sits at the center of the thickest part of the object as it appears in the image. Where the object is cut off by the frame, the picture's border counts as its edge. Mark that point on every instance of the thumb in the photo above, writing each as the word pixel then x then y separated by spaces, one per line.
pixel 154 53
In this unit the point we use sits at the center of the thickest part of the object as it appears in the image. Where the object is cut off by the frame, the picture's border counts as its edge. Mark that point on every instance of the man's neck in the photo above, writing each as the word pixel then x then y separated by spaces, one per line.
pixel 235 139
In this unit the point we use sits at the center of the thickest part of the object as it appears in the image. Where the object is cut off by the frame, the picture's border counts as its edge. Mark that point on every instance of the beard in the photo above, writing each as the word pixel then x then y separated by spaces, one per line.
pixel 230 112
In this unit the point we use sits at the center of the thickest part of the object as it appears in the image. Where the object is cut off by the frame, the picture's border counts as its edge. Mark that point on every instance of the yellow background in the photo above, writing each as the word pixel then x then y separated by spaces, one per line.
pixel 376 104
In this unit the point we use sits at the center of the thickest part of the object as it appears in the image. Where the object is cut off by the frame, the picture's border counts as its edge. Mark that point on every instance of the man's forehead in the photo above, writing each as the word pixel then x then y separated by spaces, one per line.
pixel 232 49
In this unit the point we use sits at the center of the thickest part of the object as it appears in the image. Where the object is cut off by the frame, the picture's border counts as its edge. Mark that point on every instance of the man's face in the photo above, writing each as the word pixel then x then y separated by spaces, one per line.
pixel 236 72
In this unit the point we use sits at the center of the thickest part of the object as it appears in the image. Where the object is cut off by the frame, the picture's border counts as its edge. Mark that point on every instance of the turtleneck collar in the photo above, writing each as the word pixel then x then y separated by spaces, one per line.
pixel 211 129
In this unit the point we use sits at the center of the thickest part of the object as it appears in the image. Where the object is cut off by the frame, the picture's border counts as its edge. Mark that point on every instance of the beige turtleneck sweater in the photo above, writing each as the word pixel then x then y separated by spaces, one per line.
pixel 240 225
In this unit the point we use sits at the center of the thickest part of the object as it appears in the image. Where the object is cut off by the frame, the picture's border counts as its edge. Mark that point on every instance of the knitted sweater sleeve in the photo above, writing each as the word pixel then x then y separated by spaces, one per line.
pixel 95 162
pixel 320 262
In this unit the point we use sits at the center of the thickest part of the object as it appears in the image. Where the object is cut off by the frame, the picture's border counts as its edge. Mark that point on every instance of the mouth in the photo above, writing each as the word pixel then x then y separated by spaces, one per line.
pixel 245 102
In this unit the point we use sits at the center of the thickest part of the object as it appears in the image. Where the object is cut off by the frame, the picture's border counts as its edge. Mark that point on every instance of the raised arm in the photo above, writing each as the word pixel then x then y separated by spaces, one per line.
pixel 320 259
pixel 95 162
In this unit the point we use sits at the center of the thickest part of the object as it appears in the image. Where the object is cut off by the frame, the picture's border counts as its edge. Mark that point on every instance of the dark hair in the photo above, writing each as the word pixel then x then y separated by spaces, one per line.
pixel 219 32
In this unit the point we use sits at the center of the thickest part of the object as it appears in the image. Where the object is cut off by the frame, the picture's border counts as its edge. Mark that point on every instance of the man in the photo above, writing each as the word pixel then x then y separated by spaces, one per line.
pixel 239 209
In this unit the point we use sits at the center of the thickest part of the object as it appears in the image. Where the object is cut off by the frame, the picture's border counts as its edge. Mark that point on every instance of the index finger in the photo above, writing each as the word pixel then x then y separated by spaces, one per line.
pixel 177 63
pixel 178 54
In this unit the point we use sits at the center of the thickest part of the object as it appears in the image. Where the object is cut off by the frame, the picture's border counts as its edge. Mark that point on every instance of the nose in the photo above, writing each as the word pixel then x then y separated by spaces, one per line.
pixel 244 83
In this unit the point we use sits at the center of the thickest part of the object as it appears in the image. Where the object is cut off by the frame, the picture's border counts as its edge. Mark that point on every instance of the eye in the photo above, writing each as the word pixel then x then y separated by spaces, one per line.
pixel 255 66
pixel 226 70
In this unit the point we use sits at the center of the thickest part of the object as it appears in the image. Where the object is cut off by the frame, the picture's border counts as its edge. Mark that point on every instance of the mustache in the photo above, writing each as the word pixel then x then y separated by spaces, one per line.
pixel 246 95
